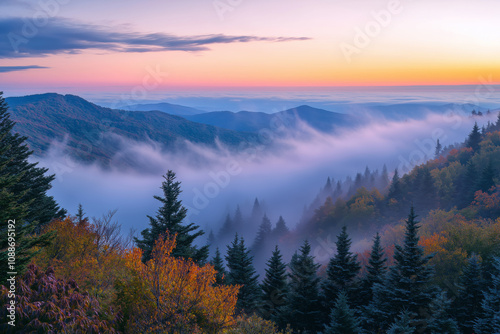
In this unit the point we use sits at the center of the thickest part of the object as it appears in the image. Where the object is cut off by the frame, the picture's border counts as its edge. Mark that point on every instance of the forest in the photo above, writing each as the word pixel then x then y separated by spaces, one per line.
pixel 407 253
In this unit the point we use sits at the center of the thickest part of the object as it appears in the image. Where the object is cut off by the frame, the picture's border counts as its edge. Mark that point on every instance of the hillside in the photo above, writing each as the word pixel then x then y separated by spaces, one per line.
pixel 95 133
pixel 169 108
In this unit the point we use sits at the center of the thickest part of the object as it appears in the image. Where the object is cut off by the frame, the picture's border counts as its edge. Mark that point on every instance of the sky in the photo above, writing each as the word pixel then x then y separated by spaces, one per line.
pixel 160 45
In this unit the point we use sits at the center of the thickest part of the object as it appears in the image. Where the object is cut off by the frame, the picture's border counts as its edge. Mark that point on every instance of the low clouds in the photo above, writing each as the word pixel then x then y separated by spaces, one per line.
pixel 4 69
pixel 24 38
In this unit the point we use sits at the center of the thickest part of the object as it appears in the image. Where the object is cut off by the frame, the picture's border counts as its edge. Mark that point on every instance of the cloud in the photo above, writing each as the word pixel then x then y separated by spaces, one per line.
pixel 4 69
pixel 24 39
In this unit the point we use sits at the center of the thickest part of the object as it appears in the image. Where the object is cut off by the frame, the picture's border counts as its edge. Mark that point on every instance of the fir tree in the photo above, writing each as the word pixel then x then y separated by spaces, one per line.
pixel 439 148
pixel 376 270
pixel 395 187
pixel 489 320
pixel 426 196
pixel 486 182
pixel 441 322
pixel 263 235
pixel 384 178
pixel 23 198
pixel 474 138
pixel 408 283
pixel 218 264
pixel 403 324
pixel 341 271
pixel 302 309
pixel 467 185
pixel 238 219
pixel 280 229
pixel 80 215
pixel 468 304
pixel 274 287
pixel 242 272
pixel 343 319
pixel 170 218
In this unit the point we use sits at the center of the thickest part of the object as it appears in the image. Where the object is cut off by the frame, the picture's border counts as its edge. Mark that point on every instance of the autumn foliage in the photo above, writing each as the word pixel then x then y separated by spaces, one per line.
pixel 173 295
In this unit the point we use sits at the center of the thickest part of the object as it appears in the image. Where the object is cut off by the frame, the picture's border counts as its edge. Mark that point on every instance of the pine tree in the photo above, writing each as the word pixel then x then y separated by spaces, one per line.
pixel 274 287
pixel 486 182
pixel 467 185
pixel 238 219
pixel 408 283
pixel 384 178
pixel 280 229
pixel 468 304
pixel 395 187
pixel 23 198
pixel 489 320
pixel 263 236
pixel 376 270
pixel 341 271
pixel 426 195
pixel 403 324
pixel 343 319
pixel 80 215
pixel 170 218
pixel 474 138
pixel 242 272
pixel 219 266
pixel 302 309
pixel 439 148
pixel 441 322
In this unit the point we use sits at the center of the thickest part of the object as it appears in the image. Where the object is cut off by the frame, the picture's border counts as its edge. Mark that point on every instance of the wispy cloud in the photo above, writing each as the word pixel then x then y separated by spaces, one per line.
pixel 4 69
pixel 63 36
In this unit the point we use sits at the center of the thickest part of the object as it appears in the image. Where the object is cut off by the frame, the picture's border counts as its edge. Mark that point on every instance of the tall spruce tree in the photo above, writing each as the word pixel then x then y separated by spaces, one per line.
pixel 274 287
pixel 487 182
pixel 441 322
pixel 23 198
pixel 341 271
pixel 395 187
pixel 302 309
pixel 218 264
pixel 263 235
pixel 467 185
pixel 375 271
pixel 343 319
pixel 408 284
pixel 489 320
pixel 280 229
pixel 170 218
pixel 467 306
pixel 242 272
pixel 439 148
pixel 474 138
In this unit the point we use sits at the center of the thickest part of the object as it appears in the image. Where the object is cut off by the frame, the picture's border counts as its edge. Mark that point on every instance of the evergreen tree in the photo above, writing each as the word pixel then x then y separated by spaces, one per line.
pixel 338 190
pixel 263 235
pixel 474 138
pixel 302 310
pixel 468 304
pixel 80 215
pixel 489 320
pixel 23 198
pixel 218 264
pixel 403 324
pixel 274 287
pixel 426 195
pixel 280 229
pixel 343 319
pixel 170 218
pixel 486 182
pixel 242 272
pixel 341 271
pixel 439 148
pixel 395 187
pixel 408 282
pixel 227 229
pixel 467 185
pixel 238 219
pixel 328 189
pixel 441 322
pixel 376 270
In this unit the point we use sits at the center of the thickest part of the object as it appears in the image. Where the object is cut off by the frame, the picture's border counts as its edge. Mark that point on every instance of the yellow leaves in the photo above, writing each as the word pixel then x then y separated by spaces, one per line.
pixel 182 293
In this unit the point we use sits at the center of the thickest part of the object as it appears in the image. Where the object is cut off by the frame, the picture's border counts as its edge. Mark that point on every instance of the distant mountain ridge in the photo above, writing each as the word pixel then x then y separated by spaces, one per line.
pixel 169 108
pixel 93 132
pixel 318 119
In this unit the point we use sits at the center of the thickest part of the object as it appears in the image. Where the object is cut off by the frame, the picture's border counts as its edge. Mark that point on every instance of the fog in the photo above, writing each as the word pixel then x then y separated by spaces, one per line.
pixel 285 172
